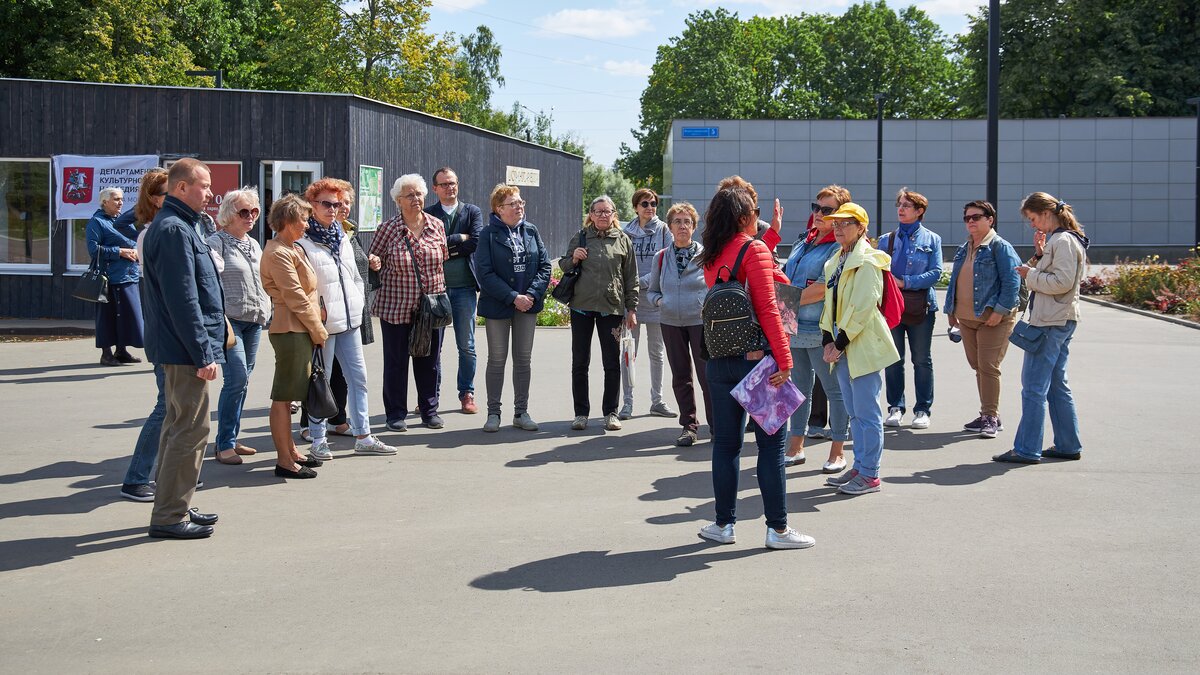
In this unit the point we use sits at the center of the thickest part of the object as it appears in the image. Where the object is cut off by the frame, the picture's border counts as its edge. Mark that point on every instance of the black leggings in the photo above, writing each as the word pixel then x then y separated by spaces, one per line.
pixel 609 329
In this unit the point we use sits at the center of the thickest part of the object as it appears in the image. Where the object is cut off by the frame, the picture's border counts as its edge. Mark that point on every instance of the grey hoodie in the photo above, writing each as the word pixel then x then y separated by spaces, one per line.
pixel 647 242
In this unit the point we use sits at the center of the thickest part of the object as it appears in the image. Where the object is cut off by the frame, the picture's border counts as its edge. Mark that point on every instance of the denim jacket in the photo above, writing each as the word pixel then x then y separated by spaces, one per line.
pixel 921 266
pixel 996 281
pixel 106 236
pixel 805 266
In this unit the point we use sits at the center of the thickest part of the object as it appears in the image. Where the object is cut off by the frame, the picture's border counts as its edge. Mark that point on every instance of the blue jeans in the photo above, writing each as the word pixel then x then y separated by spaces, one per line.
pixel 861 395
pixel 146 449
pixel 729 430
pixel 1044 380
pixel 347 348
pixel 808 364
pixel 239 363
pixel 462 305
pixel 920 343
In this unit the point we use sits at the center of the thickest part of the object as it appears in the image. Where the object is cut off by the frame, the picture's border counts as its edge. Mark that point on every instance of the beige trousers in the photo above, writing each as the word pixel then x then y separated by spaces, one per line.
pixel 985 346
pixel 181 445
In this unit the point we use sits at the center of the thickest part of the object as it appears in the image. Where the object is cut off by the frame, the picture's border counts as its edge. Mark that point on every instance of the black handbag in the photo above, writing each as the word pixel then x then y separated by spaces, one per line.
pixel 565 290
pixel 434 305
pixel 916 302
pixel 93 284
pixel 319 401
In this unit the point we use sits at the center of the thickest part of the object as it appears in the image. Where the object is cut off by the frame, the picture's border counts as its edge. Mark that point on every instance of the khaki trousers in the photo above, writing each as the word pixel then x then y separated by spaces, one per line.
pixel 985 346
pixel 181 445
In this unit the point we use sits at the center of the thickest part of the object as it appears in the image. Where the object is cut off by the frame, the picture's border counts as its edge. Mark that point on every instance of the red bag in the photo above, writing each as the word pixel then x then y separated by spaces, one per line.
pixel 892 303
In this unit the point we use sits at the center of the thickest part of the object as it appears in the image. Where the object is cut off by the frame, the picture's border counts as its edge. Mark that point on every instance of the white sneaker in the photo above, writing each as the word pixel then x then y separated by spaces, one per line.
pixel 920 420
pixel 320 450
pixel 835 467
pixel 579 424
pixel 718 533
pixel 372 446
pixel 794 460
pixel 612 423
pixel 893 418
pixel 789 538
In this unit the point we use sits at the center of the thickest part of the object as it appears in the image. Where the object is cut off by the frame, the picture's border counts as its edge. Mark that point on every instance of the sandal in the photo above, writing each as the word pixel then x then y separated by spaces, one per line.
pixel 306 435
pixel 244 449
pixel 234 459
pixel 345 432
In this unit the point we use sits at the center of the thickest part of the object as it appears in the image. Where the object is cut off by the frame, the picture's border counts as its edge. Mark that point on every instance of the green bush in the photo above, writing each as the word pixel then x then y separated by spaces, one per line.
pixel 1170 289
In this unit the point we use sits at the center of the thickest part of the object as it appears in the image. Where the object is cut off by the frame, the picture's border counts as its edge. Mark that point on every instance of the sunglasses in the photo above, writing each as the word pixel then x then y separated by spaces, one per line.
pixel 974 217
pixel 331 205
pixel 823 210
pixel 649 205
pixel 248 214
pixel 159 194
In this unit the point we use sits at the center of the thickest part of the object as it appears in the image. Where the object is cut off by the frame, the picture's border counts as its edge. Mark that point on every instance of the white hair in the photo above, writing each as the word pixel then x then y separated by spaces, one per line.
pixel 247 195
pixel 413 180
pixel 110 192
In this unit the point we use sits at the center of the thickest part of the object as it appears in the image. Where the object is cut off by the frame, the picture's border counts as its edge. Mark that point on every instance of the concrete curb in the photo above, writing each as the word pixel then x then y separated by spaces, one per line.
pixel 52 328
pixel 1144 312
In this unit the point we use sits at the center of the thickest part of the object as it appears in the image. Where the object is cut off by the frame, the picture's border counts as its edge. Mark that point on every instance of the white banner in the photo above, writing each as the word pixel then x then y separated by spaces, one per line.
pixel 78 180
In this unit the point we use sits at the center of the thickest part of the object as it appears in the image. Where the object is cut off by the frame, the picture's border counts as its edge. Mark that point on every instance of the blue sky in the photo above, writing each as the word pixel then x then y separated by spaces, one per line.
pixel 586 61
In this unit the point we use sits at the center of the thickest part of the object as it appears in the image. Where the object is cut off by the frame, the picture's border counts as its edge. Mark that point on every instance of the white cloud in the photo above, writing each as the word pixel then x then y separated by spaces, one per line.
pixel 627 68
pixel 616 23
pixel 455 6
pixel 950 14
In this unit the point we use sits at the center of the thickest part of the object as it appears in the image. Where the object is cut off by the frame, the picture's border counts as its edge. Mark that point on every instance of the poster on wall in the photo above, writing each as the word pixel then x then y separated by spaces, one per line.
pixel 79 179
pixel 226 176
pixel 370 198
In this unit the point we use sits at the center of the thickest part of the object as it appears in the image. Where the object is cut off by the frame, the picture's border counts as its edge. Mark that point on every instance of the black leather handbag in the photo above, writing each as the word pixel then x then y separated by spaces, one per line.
pixel 319 401
pixel 93 284
pixel 565 290
pixel 435 305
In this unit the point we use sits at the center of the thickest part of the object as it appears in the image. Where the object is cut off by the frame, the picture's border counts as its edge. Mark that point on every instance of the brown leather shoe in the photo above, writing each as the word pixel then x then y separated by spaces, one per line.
pixel 468 404
pixel 230 459
pixel 243 449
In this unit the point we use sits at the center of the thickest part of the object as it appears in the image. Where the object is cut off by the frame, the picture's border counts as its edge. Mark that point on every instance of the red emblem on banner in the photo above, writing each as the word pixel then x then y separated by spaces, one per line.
pixel 77 184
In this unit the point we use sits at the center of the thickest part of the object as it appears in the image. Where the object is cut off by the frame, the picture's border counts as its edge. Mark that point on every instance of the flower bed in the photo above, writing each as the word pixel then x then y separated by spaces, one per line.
pixel 1150 284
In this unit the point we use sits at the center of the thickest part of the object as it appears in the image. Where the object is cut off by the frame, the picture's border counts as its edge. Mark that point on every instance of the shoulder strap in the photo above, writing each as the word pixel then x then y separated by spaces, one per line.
pixel 737 264
pixel 416 268
pixel 892 241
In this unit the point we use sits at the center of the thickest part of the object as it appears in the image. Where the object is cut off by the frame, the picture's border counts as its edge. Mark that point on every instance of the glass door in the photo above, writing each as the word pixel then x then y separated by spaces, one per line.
pixel 281 178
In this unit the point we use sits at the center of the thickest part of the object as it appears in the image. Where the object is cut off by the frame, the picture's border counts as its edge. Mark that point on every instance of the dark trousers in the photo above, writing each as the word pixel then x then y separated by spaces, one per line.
pixel 729 432
pixel 609 330
pixel 426 370
pixel 818 418
pixel 337 386
pixel 683 345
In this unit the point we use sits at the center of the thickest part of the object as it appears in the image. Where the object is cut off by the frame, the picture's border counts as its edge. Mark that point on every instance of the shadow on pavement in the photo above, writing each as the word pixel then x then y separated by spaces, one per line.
pixel 23 553
pixel 604 569
pixel 905 439
pixel 68 379
pixel 963 474
pixel 42 370
pixel 749 509
pixel 594 444
pixel 247 413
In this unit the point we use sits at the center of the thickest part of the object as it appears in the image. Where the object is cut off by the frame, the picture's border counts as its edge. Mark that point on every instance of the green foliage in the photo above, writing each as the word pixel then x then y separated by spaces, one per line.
pixel 1087 58
pixel 601 180
pixel 1170 289
pixel 794 67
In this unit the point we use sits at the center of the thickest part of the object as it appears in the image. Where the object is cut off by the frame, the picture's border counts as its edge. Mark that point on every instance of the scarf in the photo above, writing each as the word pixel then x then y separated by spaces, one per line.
pixel 329 237
pixel 683 256
pixel 903 237
pixel 242 244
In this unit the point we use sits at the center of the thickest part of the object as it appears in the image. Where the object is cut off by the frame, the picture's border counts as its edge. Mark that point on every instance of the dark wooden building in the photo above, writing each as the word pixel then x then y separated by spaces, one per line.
pixel 279 141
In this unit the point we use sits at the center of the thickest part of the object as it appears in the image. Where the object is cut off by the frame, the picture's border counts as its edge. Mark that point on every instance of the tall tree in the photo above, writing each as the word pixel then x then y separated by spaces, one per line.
pixel 601 180
pixel 478 65
pixel 1085 58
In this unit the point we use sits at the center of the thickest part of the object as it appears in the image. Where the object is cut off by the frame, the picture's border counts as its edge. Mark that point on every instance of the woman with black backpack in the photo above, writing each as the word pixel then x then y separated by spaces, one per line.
pixel 731 253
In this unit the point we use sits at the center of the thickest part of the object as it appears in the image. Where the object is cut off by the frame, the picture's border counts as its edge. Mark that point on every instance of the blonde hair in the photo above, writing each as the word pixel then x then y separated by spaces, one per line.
pixel 614 219
pixel 288 209
pixel 246 194
pixel 1044 202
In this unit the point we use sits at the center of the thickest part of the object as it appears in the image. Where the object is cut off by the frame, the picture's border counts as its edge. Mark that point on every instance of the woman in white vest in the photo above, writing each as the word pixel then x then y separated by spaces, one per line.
pixel 341 292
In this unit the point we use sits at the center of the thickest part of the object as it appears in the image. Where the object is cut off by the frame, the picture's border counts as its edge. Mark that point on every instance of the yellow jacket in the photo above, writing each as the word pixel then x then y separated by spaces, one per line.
pixel 861 288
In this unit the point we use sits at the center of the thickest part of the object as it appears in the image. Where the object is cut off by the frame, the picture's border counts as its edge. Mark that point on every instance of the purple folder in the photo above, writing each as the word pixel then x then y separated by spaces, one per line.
pixel 770 406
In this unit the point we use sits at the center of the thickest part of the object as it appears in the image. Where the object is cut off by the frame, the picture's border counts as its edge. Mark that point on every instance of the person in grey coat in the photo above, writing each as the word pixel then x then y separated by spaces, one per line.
pixel 677 290
pixel 648 235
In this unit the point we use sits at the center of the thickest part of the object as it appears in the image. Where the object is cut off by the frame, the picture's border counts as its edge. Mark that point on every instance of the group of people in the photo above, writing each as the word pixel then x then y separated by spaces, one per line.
pixel 207 296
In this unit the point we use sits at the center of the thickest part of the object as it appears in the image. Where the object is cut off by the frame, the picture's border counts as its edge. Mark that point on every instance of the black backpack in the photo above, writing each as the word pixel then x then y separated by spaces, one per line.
pixel 730 327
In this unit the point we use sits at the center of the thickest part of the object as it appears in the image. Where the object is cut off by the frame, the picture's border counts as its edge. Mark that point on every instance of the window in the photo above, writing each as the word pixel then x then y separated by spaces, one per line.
pixel 25 219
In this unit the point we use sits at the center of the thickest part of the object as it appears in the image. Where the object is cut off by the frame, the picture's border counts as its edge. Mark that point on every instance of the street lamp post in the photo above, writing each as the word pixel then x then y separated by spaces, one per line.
pixel 878 165
pixel 993 104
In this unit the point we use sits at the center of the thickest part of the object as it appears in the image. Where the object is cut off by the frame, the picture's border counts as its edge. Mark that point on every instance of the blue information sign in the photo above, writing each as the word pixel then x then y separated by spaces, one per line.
pixel 701 132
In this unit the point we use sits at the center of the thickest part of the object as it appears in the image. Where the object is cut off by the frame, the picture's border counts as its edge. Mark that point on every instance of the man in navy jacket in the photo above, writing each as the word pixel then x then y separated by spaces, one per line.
pixel 185 334
pixel 463 223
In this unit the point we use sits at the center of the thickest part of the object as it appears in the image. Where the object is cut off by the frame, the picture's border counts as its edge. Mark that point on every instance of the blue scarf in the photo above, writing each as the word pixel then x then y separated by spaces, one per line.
pixel 329 237
pixel 903 236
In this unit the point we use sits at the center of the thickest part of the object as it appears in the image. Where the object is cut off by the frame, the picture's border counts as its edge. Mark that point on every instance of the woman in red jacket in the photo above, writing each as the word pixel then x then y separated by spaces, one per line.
pixel 730 225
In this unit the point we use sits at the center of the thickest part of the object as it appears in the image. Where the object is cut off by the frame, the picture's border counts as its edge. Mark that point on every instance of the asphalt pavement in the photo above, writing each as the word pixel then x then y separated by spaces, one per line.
pixel 559 551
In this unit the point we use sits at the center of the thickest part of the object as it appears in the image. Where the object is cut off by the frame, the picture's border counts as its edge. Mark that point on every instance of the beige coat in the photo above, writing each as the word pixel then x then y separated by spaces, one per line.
pixel 292 284
pixel 1054 282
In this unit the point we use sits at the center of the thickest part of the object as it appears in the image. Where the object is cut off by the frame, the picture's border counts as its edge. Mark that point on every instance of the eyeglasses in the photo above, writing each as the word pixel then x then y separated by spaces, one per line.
pixel 905 205
pixel 248 214
pixel 843 224
pixel 603 214
pixel 331 205
pixel 447 184
pixel 682 221
pixel 757 211
pixel 414 196
pixel 823 210
pixel 518 204
pixel 649 205
pixel 974 217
